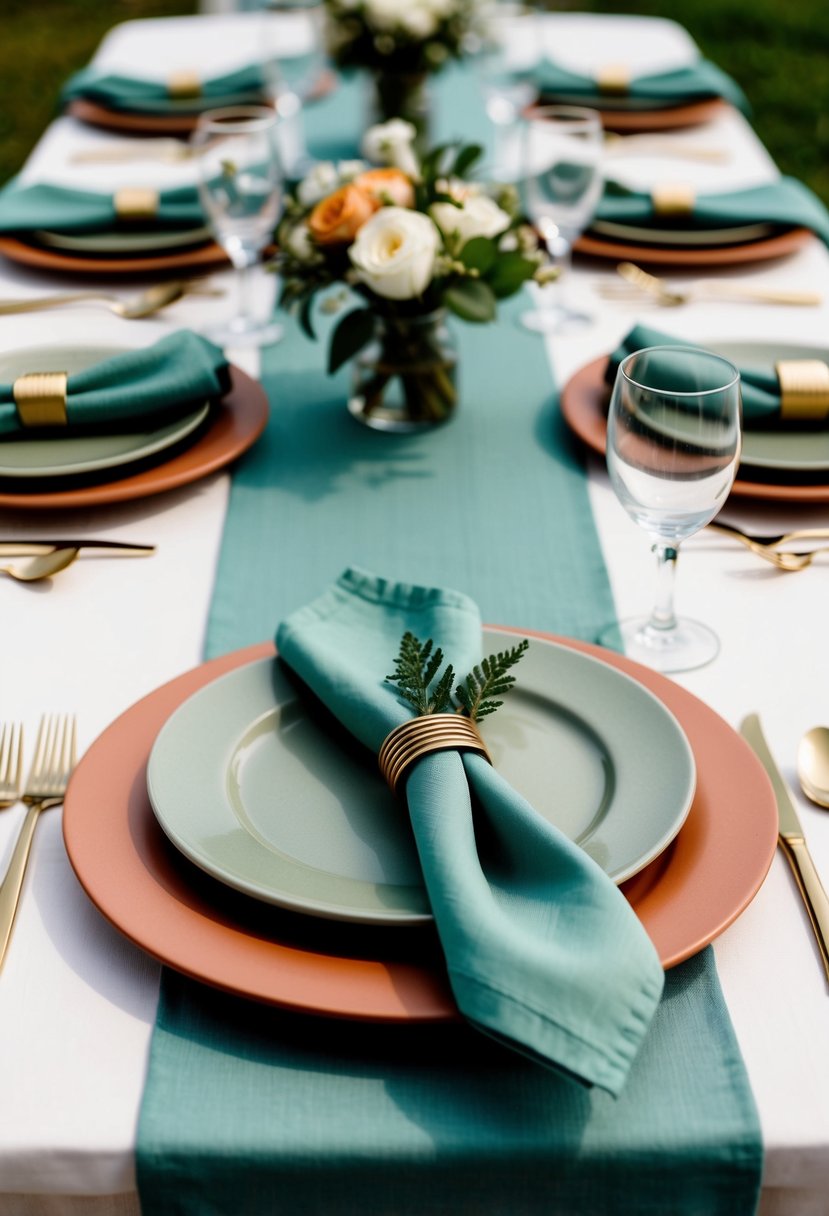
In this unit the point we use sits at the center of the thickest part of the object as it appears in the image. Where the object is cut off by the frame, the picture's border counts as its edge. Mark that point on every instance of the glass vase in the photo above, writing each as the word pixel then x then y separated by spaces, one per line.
pixel 406 379
pixel 396 95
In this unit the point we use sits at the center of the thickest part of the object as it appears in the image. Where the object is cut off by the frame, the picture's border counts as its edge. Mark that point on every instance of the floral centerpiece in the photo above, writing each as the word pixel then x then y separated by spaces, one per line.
pixel 400 42
pixel 412 239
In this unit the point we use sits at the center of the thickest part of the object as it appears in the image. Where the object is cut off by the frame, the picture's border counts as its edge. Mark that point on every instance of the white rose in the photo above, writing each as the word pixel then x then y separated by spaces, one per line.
pixel 418 20
pixel 478 215
pixel 390 143
pixel 385 14
pixel 323 179
pixel 394 252
pixel 347 169
pixel 299 244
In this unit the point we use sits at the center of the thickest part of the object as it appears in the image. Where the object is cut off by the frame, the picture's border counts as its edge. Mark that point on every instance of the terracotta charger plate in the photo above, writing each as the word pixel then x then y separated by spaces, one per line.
pixel 200 259
pixel 231 428
pixel 129 122
pixel 699 255
pixel 584 401
pixel 166 906
pixel 664 118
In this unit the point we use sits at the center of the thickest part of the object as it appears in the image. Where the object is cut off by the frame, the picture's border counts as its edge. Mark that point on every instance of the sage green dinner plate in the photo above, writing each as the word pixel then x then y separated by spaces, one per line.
pixel 138 240
pixel 781 449
pixel 76 454
pixel 250 787
pixel 737 234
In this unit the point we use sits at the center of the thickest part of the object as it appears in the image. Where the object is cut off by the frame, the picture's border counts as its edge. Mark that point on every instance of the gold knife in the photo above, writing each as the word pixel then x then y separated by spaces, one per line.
pixel 791 840
pixel 33 548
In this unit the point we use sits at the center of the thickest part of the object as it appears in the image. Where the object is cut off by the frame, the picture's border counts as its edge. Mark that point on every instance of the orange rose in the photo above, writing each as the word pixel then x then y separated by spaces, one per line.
pixel 336 219
pixel 387 186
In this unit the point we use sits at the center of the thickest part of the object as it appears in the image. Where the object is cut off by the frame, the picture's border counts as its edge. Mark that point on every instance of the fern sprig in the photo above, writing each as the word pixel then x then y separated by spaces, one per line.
pixel 418 663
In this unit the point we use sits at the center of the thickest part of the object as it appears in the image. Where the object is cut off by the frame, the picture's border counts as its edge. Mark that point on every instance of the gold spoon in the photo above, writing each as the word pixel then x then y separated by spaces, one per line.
pixel 765 547
pixel 813 765
pixel 44 565
pixel 130 307
pixel 709 290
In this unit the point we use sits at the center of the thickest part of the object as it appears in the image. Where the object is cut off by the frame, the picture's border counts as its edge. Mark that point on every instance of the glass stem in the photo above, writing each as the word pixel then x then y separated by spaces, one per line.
pixel 245 319
pixel 662 616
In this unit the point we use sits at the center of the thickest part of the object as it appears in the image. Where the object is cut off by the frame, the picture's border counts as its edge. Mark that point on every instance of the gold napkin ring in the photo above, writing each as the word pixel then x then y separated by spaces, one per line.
pixel 613 79
pixel 673 198
pixel 40 398
pixel 804 389
pixel 418 737
pixel 183 84
pixel 135 203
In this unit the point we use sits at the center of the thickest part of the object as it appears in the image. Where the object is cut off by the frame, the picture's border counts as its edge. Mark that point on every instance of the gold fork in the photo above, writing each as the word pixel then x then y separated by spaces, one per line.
pixel 55 754
pixel 669 296
pixel 11 764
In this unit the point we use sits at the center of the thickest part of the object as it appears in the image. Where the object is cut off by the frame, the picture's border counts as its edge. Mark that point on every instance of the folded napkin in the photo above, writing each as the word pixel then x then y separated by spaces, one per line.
pixel 696 82
pixel 117 92
pixel 161 382
pixel 760 386
pixel 543 951
pixel 785 201
pixel 25 209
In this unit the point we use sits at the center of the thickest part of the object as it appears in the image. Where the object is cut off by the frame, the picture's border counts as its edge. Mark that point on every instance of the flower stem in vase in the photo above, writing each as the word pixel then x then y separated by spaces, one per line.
pixel 405 380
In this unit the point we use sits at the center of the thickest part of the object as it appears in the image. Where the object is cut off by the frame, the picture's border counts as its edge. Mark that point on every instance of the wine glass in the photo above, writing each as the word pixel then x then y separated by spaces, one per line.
pixel 294 79
pixel 562 184
pixel 673 444
pixel 504 58
pixel 240 185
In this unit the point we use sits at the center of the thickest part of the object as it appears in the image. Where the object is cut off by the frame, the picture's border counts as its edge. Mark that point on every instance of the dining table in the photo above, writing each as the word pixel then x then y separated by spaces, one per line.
pixel 78 998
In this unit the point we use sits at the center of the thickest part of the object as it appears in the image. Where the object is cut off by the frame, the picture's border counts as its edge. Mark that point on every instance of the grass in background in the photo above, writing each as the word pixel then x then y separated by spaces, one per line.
pixel 778 51
pixel 41 43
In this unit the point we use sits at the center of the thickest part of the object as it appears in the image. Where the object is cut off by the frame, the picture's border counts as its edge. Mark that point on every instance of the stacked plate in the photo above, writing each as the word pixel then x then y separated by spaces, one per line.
pixel 83 470
pixel 788 464
pixel 675 245
pixel 238 837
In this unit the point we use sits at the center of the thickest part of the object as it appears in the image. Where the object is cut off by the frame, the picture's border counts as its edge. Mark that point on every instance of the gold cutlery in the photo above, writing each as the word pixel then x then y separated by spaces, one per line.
pixel 813 765
pixel 661 145
pixel 770 540
pixel 11 764
pixel 171 151
pixel 36 547
pixel 33 569
pixel 669 296
pixel 783 559
pixel 144 304
pixel 791 840
pixel 55 756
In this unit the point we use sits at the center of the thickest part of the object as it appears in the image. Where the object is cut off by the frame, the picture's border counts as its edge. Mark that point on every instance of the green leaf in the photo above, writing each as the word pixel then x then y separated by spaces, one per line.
pixel 479 254
pixel 509 271
pixel 466 158
pixel 305 316
pixel 353 332
pixel 470 299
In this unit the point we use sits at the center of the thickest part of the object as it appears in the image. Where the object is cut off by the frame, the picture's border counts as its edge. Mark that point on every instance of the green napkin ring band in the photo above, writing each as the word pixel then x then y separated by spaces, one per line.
pixel 613 79
pixel 417 737
pixel 804 389
pixel 40 398
pixel 183 84
pixel 135 203
pixel 673 198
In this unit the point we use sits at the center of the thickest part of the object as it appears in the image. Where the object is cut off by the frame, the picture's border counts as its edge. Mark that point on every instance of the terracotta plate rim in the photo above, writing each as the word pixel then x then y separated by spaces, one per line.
pixel 582 406
pixel 685 898
pixel 700 255
pixel 204 257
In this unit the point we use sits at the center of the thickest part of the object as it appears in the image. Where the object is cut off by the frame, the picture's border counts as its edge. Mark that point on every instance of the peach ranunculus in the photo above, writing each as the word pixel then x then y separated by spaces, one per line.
pixel 337 219
pixel 387 186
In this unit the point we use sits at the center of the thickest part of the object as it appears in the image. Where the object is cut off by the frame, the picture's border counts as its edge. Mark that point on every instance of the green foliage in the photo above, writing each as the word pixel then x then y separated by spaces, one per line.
pixel 416 668
pixel 470 299
pixel 353 332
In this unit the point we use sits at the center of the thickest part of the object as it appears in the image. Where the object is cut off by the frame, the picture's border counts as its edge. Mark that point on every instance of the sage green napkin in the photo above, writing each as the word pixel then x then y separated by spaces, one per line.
pixel 134 93
pixel 160 382
pixel 658 90
pixel 759 385
pixel 543 951
pixel 786 202
pixel 25 209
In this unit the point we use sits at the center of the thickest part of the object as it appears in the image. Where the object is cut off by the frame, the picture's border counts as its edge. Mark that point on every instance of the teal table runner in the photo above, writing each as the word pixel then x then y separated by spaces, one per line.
pixel 250 1111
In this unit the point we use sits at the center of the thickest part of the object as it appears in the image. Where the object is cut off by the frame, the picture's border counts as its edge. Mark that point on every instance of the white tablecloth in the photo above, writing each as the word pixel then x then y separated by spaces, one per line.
pixel 77 1001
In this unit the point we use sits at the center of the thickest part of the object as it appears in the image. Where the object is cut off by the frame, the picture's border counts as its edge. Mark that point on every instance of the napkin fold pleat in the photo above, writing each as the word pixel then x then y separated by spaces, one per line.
pixel 118 91
pixel 45 205
pixel 785 201
pixel 542 950
pixel 759 386
pixel 695 82
pixel 161 382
